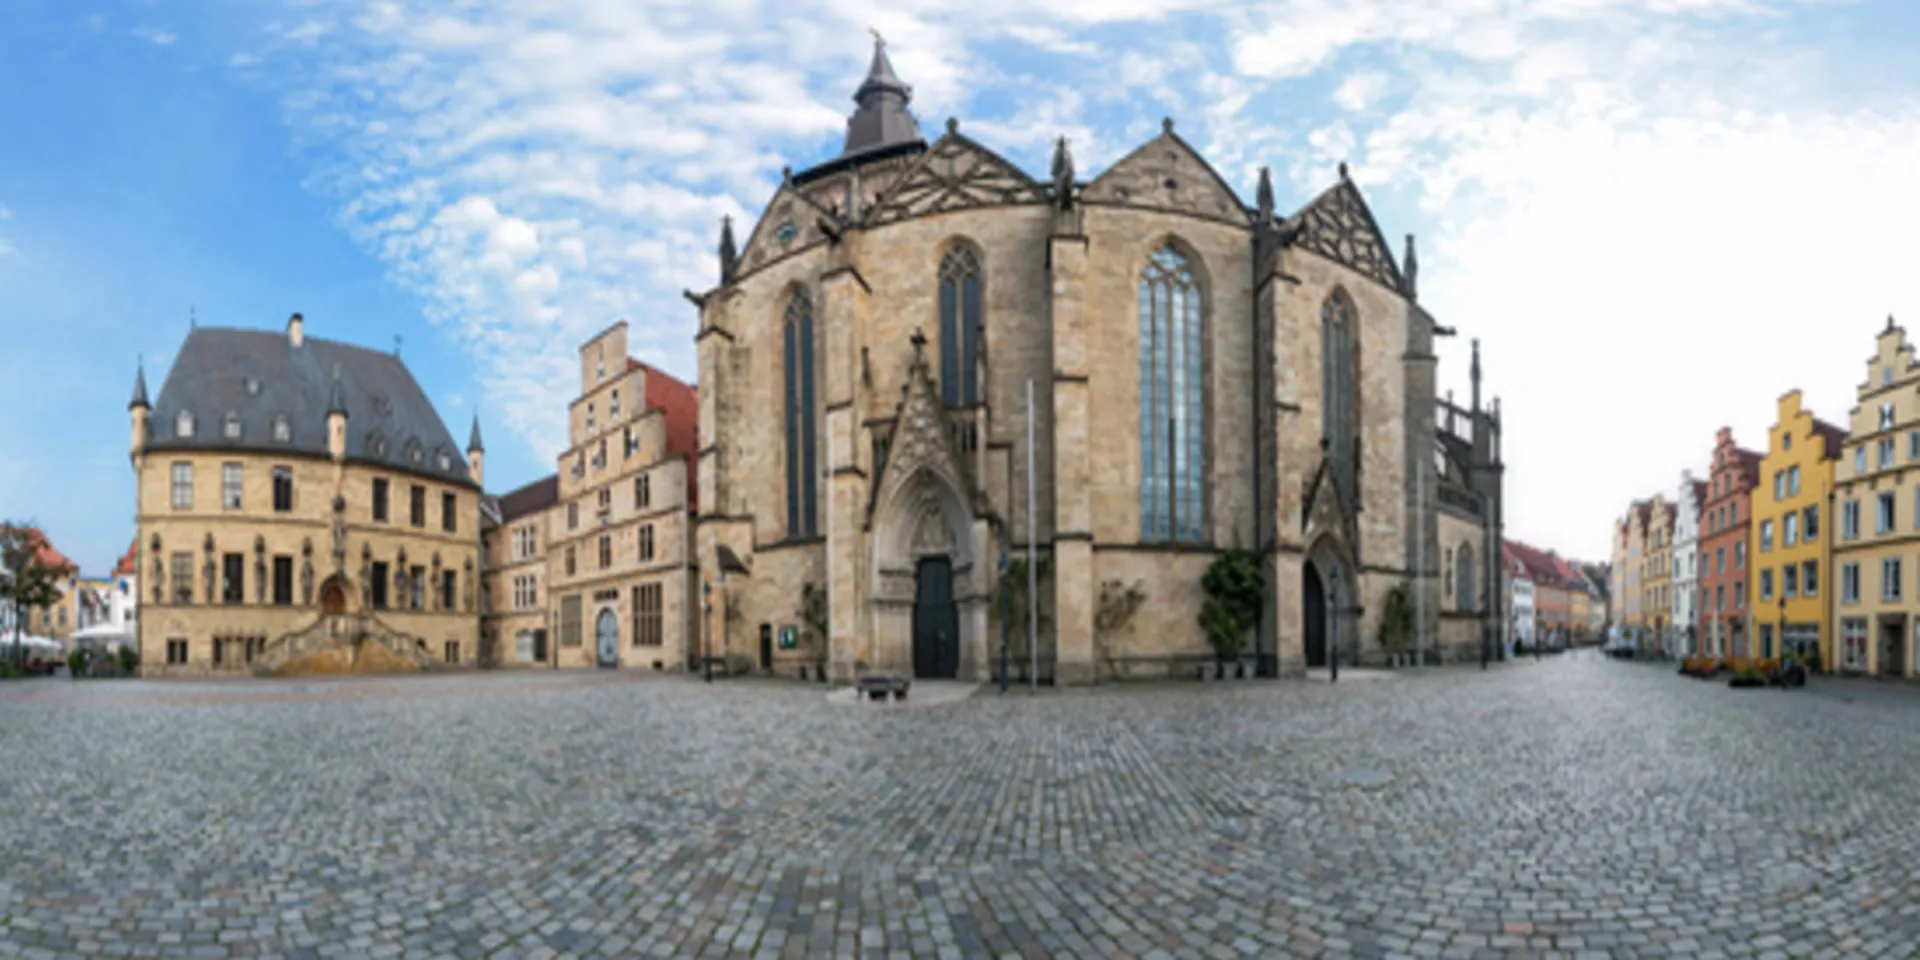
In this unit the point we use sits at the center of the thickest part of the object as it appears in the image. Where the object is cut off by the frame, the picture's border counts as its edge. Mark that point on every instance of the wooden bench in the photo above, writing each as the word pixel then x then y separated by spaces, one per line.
pixel 879 686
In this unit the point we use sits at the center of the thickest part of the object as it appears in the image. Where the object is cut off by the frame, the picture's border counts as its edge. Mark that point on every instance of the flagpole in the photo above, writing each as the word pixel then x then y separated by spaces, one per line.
pixel 1033 572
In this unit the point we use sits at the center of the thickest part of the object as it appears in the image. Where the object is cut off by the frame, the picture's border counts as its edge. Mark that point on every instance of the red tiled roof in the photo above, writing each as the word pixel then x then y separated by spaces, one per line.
pixel 128 563
pixel 681 404
pixel 45 553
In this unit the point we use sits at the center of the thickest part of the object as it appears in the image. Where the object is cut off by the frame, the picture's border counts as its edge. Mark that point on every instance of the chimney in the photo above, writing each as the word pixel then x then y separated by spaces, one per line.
pixel 296 335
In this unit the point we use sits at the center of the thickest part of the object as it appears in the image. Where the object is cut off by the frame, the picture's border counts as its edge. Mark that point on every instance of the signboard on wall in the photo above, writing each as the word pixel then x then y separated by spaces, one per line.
pixel 789 636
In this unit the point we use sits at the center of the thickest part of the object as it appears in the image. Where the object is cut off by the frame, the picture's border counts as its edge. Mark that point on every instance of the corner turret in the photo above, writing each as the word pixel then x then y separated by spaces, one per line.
pixel 476 452
pixel 139 410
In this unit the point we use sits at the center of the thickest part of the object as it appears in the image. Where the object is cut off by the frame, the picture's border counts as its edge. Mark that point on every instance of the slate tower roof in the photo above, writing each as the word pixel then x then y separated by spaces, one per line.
pixel 253 390
pixel 882 118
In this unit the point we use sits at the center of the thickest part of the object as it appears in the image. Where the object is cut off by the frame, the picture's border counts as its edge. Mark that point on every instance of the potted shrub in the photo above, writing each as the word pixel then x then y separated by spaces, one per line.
pixel 1235 589
pixel 129 660
pixel 77 663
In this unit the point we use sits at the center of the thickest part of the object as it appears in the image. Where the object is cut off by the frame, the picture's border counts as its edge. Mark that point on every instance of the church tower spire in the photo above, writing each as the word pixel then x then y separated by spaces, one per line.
pixel 882 118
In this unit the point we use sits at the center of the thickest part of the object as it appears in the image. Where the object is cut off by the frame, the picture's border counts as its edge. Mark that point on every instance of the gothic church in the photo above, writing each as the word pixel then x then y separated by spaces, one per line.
pixel 1199 376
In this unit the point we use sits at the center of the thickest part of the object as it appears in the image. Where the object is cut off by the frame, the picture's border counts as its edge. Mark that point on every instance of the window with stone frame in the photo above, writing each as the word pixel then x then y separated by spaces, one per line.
pixel 182 577
pixel 606 551
pixel 1465 582
pixel 449 587
pixel 604 499
pixel 453 651
pixel 183 425
pixel 613 405
pixel 645 538
pixel 573 515
pixel 1779 484
pixel 571 568
pixel 1766 535
pixel 1853 643
pixel 417 588
pixel 233 569
pixel 1883 518
pixel 570 621
pixel 1890 578
pixel 232 485
pixel 1850 583
pixel 1860 459
pixel 1793 480
pixel 379 584
pixel 960 328
pixel 648 615
pixel 642 492
pixel 380 499
pixel 1884 457
pixel 282 581
pixel 1790 580
pixel 799 415
pixel 1810 578
pixel 183 486
pixel 282 489
pixel 1850 519
pixel 1172 348
pixel 1790 530
pixel 1811 527
pixel 1886 416
pixel 449 513
pixel 417 505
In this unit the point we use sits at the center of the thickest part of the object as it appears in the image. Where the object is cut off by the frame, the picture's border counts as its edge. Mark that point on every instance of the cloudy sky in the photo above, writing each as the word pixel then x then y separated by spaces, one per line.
pixel 1657 215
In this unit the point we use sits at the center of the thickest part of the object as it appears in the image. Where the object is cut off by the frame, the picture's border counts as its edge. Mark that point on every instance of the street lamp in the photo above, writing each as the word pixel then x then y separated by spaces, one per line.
pixel 1333 624
pixel 1006 613
pixel 1780 638
pixel 706 660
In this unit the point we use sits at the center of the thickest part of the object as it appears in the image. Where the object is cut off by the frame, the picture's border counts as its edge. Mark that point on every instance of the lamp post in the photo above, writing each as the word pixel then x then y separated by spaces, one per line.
pixel 1780 637
pixel 706 660
pixel 1333 627
pixel 1006 624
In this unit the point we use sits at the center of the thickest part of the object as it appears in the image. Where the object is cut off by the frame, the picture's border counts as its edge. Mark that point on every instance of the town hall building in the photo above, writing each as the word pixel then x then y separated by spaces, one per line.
pixel 916 333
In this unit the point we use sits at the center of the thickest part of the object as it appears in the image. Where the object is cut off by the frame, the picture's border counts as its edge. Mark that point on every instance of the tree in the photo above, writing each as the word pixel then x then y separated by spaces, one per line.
pixel 1235 589
pixel 813 612
pixel 26 580
pixel 1396 620
pixel 1013 580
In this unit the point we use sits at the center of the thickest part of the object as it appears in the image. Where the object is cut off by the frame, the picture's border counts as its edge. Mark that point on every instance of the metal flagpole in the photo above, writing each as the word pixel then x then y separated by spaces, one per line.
pixel 1420 586
pixel 1033 572
pixel 827 476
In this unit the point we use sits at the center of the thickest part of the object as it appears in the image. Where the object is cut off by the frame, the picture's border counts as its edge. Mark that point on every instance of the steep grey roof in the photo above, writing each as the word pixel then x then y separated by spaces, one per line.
pixel 259 379
pixel 534 497
pixel 139 388
pixel 882 119
pixel 473 438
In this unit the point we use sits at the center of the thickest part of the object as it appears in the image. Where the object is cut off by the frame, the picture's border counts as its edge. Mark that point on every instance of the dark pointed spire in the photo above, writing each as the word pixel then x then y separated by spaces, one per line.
pixel 729 256
pixel 139 387
pixel 882 118
pixel 1062 174
pixel 1410 271
pixel 1474 373
pixel 473 438
pixel 1263 197
pixel 336 395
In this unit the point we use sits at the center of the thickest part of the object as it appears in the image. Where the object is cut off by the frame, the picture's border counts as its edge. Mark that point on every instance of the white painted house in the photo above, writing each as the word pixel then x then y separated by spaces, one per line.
pixel 1519 592
pixel 1683 639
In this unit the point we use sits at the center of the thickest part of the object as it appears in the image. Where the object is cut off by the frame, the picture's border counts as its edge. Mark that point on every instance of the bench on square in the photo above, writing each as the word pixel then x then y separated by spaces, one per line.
pixel 877 687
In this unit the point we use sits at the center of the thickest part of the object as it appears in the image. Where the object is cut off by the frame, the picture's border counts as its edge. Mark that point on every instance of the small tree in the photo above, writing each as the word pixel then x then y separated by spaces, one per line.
pixel 129 660
pixel 813 612
pixel 1396 620
pixel 1013 580
pixel 1118 603
pixel 25 581
pixel 1235 589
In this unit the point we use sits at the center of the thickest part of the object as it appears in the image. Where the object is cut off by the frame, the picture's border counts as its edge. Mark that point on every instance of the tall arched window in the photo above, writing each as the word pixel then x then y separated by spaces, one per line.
pixel 1172 407
pixel 1464 580
pixel 1337 385
pixel 802 478
pixel 959 328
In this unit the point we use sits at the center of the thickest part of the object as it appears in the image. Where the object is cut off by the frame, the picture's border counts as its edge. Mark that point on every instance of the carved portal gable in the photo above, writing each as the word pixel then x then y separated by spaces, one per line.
pixel 954 174
pixel 922 437
pixel 791 223
pixel 1339 226
pixel 1167 174
pixel 1327 511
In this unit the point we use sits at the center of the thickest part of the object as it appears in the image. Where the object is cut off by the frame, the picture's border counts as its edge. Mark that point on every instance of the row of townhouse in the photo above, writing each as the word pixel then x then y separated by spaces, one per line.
pixel 1551 600
pixel 1799 548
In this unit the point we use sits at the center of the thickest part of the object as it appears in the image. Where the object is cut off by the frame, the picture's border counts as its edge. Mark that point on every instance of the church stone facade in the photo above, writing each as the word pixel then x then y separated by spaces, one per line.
pixel 1205 376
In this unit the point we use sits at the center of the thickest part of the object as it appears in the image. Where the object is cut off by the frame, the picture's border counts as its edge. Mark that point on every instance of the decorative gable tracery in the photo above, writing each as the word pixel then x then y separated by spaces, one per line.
pixel 954 174
pixel 791 223
pixel 1167 174
pixel 1337 225
pixel 921 437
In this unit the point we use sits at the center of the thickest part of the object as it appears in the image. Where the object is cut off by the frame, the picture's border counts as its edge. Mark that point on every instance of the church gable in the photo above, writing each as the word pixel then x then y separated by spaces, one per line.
pixel 1167 174
pixel 954 174
pixel 921 436
pixel 1337 225
pixel 858 188
pixel 791 222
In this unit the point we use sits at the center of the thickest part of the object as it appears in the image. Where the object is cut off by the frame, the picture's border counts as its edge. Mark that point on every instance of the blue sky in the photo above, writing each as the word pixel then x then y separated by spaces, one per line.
pixel 1608 192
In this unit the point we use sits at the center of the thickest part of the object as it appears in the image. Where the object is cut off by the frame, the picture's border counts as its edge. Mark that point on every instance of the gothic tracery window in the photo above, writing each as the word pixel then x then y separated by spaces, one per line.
pixel 802 477
pixel 1172 406
pixel 959 328
pixel 1337 386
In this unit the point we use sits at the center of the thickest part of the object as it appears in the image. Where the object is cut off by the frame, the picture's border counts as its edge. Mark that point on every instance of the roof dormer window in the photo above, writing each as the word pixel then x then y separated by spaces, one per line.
pixel 282 430
pixel 183 425
pixel 445 462
pixel 376 445
pixel 230 428
pixel 413 451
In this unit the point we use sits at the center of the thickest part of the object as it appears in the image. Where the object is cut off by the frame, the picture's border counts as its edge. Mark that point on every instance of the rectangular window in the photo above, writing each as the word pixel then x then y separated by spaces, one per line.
pixel 379 584
pixel 231 476
pixel 1766 585
pixel 282 489
pixel 570 621
pixel 1850 583
pixel 449 584
pixel 379 499
pixel 183 486
pixel 646 543
pixel 1890 578
pixel 1860 459
pixel 1850 519
pixel 453 651
pixel 417 505
pixel 1793 481
pixel 1733 512
pixel 605 499
pixel 570 566
pixel 1790 530
pixel 183 577
pixel 1720 560
pixel 1720 597
pixel 1779 485
pixel 1885 448
pixel 449 513
pixel 1766 535
pixel 648 617
pixel 642 492
pixel 1740 595
pixel 1883 514
pixel 176 651
pixel 1812 515
pixel 283 581
pixel 606 551
pixel 1913 444
pixel 233 568
pixel 417 588
pixel 1810 578
pixel 1790 581
pixel 1853 643
pixel 573 516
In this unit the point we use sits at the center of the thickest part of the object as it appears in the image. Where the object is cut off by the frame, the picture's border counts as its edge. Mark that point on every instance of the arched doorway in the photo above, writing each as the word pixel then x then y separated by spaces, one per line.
pixel 606 636
pixel 333 597
pixel 1313 615
pixel 936 622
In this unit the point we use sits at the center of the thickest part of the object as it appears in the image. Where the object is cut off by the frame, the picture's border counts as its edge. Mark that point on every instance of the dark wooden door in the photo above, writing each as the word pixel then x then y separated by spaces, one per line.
pixel 1314 615
pixel 936 624
pixel 333 598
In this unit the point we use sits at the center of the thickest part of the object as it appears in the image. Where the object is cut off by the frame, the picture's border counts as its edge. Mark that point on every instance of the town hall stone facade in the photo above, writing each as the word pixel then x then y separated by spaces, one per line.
pixel 1206 376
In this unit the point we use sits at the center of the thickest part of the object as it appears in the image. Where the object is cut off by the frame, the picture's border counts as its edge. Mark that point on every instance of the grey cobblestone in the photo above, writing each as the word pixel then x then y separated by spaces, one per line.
pixel 1576 808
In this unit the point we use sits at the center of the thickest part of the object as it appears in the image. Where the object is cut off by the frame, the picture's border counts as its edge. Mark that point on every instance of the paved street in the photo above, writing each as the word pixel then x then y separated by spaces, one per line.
pixel 1576 808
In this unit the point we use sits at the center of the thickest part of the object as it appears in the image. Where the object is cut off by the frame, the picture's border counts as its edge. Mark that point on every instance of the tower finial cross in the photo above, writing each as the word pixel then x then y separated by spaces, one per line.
pixel 919 341
pixel 878 40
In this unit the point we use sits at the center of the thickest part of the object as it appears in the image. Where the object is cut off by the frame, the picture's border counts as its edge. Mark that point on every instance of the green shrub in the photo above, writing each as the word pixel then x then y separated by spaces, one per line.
pixel 1235 591
pixel 10 672
pixel 129 660
pixel 77 663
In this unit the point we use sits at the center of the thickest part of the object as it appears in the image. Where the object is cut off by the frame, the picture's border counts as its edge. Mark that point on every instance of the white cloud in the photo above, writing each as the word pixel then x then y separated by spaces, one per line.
pixel 155 36
pixel 1359 90
pixel 242 60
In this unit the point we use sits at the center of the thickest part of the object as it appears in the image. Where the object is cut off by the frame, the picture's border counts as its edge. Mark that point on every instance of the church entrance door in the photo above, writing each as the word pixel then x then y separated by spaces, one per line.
pixel 333 598
pixel 606 634
pixel 1313 615
pixel 936 623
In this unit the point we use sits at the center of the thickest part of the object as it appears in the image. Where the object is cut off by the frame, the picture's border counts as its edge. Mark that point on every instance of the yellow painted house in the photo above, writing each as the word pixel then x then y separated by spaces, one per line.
pixel 1877 496
pixel 1789 541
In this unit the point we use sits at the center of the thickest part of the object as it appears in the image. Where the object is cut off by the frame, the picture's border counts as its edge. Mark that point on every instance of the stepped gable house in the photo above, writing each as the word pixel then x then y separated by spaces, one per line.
pixel 1206 375
pixel 301 506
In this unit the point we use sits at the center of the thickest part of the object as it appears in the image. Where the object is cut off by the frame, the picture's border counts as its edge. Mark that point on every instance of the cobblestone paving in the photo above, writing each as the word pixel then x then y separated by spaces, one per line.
pixel 1576 808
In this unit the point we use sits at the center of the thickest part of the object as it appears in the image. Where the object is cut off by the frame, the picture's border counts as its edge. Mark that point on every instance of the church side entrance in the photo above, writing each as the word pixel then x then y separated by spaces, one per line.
pixel 333 598
pixel 1313 615
pixel 936 622
pixel 606 632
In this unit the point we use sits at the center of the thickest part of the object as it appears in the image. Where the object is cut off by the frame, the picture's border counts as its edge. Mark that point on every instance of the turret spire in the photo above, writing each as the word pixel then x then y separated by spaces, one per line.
pixel 882 118
pixel 1474 373
pixel 1263 197
pixel 729 256
pixel 473 438
pixel 1410 271
pixel 1062 174
pixel 139 400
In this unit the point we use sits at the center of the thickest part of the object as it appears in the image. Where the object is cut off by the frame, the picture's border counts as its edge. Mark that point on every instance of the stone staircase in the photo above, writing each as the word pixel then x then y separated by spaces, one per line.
pixel 341 643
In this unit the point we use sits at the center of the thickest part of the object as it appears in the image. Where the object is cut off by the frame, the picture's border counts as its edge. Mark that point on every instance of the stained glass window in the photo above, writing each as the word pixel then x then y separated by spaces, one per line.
pixel 1337 380
pixel 1172 405
pixel 959 329
pixel 802 479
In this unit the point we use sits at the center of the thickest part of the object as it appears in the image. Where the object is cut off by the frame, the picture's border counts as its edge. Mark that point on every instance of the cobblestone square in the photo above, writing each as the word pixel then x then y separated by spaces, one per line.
pixel 1574 808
